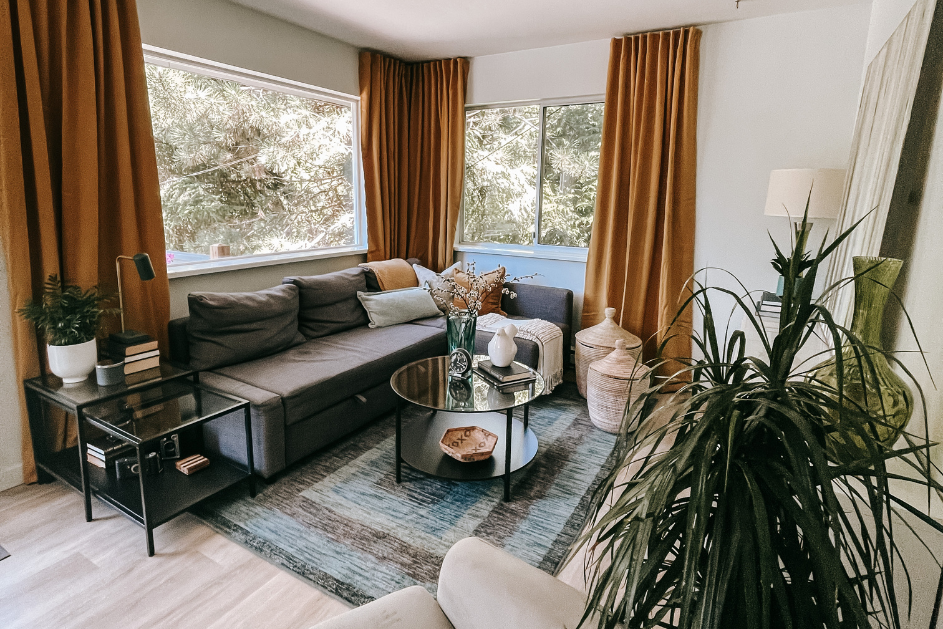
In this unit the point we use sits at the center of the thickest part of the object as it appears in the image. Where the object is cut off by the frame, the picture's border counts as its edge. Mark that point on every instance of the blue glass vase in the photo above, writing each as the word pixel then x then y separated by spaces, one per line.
pixel 460 330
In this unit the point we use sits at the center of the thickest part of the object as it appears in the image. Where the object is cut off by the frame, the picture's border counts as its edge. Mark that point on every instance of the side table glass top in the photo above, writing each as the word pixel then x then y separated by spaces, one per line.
pixel 426 383
pixel 88 391
pixel 160 410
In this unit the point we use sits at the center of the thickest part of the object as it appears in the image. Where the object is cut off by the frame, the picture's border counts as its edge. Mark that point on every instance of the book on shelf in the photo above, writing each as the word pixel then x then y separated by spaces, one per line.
pixel 123 347
pixel 147 375
pixel 106 445
pixel 141 365
pixel 141 356
pixel 506 375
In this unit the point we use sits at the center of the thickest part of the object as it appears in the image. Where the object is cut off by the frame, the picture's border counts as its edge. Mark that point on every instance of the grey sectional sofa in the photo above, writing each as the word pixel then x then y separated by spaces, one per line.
pixel 338 379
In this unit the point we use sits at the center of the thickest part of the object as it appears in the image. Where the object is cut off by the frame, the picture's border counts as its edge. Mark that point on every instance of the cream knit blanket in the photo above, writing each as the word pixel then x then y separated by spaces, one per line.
pixel 547 336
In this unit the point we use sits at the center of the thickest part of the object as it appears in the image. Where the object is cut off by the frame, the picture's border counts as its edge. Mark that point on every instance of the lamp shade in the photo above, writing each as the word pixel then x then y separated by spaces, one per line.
pixel 789 191
pixel 143 263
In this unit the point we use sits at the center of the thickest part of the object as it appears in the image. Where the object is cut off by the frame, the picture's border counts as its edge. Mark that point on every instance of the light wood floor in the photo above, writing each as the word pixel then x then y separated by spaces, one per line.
pixel 65 572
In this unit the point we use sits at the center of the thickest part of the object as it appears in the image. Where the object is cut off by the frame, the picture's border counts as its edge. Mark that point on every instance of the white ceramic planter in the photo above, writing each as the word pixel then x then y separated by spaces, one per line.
pixel 73 363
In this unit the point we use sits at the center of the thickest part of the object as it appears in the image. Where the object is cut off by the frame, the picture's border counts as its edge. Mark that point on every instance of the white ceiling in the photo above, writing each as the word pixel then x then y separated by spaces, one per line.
pixel 432 29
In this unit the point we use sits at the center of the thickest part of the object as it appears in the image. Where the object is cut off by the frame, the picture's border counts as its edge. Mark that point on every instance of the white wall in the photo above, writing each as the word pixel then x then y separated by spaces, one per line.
pixel 554 72
pixel 775 92
pixel 228 33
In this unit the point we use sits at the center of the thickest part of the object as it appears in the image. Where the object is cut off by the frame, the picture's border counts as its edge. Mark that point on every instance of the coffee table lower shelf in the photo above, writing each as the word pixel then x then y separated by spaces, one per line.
pixel 419 446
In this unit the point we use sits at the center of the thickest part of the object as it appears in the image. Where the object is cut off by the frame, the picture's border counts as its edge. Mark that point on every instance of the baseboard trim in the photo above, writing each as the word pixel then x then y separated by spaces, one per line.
pixel 11 476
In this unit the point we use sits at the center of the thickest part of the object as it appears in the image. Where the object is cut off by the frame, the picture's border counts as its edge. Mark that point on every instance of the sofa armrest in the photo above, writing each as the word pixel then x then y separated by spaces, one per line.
pixel 482 587
pixel 549 303
pixel 227 435
pixel 179 341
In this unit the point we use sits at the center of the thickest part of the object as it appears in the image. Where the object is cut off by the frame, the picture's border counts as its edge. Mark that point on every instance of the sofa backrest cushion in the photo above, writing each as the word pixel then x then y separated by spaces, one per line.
pixel 229 328
pixel 328 303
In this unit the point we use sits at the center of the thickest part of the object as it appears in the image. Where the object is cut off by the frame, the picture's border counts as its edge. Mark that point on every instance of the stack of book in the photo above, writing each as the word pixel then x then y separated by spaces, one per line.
pixel 506 379
pixel 140 355
pixel 104 451
pixel 769 305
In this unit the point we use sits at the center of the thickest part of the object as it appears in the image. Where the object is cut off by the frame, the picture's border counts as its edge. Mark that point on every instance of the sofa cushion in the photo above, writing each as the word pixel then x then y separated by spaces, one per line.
pixel 491 299
pixel 227 328
pixel 324 371
pixel 328 303
pixel 397 306
pixel 389 275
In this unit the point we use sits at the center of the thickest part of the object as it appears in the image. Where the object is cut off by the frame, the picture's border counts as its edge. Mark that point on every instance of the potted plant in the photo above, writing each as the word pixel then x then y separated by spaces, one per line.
pixel 731 508
pixel 69 318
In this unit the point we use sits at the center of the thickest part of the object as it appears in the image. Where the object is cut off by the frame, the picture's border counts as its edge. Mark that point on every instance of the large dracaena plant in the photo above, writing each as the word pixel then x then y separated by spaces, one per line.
pixel 728 511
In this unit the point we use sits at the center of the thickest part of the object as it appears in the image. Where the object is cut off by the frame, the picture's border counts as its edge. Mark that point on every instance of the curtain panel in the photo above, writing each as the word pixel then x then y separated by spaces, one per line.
pixel 641 254
pixel 78 171
pixel 413 141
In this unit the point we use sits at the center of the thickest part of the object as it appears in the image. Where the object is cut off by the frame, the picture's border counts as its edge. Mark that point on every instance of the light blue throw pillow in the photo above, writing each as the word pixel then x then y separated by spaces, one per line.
pixel 398 306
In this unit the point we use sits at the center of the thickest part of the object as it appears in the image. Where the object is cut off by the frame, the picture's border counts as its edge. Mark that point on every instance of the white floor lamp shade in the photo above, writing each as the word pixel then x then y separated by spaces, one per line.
pixel 789 191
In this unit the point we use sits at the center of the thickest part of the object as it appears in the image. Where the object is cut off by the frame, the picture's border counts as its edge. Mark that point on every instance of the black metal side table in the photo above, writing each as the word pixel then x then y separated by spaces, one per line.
pixel 140 415
pixel 426 383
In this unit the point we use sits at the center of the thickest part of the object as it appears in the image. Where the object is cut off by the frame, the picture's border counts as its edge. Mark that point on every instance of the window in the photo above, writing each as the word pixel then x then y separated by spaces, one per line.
pixel 260 166
pixel 530 174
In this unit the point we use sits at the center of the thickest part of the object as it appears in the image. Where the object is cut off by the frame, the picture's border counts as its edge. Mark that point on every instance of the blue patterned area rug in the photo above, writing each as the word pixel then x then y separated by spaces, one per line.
pixel 339 520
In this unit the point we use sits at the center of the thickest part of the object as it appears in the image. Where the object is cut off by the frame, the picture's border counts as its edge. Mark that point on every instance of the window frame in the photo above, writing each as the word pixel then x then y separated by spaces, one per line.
pixel 535 249
pixel 206 67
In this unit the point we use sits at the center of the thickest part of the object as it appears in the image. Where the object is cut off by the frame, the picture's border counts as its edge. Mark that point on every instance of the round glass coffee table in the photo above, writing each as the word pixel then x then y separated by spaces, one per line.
pixel 426 383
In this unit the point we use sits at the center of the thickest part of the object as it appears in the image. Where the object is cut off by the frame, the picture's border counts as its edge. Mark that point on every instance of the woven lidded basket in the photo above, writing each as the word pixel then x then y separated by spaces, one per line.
pixel 597 342
pixel 613 383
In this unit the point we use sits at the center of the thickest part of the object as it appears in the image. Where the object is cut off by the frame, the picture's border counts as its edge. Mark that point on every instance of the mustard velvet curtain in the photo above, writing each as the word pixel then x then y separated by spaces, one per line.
pixel 413 141
pixel 78 171
pixel 641 253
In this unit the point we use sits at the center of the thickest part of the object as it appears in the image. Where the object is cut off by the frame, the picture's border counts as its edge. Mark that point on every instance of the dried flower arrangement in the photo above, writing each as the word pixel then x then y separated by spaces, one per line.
pixel 479 287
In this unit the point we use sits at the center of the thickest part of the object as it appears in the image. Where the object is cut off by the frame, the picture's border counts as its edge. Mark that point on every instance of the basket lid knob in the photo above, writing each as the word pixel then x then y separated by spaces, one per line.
pixel 620 345
pixel 610 313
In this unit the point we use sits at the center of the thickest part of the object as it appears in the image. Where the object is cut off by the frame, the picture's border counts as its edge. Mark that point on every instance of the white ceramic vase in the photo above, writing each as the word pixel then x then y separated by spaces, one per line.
pixel 73 363
pixel 501 348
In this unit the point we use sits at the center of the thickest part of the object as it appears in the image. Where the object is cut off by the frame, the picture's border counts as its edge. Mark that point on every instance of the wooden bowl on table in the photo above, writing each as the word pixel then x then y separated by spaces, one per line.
pixel 468 444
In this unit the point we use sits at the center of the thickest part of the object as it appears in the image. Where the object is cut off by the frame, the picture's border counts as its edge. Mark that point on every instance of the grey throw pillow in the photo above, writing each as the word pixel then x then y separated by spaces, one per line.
pixel 398 306
pixel 230 328
pixel 328 303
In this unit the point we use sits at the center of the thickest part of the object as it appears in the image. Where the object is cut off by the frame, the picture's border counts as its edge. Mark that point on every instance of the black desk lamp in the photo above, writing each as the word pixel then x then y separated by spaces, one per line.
pixel 145 269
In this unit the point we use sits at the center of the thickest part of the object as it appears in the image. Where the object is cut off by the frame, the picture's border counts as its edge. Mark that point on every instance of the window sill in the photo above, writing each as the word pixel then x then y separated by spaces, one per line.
pixel 222 265
pixel 568 254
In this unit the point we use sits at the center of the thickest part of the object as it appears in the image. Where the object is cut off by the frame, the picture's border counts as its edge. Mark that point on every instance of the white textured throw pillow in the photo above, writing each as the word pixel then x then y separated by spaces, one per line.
pixel 428 277
pixel 398 306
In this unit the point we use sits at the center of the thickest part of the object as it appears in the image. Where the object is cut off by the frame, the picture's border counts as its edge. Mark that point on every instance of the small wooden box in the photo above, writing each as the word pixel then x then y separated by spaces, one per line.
pixel 191 464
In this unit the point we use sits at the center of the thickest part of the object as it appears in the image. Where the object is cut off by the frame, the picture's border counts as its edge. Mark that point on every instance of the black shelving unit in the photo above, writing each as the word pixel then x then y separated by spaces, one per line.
pixel 148 500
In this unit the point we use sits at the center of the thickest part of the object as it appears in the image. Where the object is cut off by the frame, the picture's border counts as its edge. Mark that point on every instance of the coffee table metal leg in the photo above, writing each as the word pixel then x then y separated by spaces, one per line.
pixel 526 416
pixel 148 531
pixel 399 430
pixel 83 463
pixel 507 456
